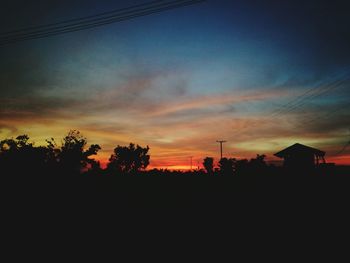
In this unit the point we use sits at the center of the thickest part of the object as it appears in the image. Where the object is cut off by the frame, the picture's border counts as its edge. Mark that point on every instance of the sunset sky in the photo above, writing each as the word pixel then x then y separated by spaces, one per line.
pixel 261 75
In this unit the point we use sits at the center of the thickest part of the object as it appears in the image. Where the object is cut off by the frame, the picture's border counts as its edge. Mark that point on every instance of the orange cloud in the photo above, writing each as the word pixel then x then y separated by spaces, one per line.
pixel 212 100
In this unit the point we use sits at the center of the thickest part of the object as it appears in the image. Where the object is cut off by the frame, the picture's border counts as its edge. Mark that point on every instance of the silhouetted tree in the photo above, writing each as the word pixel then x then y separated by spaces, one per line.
pixel 72 157
pixel 241 166
pixel 129 159
pixel 21 157
pixel 258 163
pixel 208 164
pixel 255 166
pixel 52 153
pixel 227 166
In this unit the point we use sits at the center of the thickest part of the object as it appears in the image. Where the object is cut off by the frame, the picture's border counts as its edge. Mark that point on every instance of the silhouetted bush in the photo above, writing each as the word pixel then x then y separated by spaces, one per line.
pixel 208 164
pixel 20 157
pixel 129 159
pixel 72 157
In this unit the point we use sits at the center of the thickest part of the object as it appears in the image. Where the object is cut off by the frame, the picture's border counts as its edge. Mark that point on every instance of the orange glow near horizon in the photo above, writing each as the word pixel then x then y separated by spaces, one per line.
pixel 174 154
pixel 254 75
pixel 197 162
pixel 179 129
pixel 339 160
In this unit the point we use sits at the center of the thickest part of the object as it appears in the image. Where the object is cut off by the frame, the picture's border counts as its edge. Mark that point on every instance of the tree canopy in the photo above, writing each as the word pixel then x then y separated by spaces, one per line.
pixel 129 159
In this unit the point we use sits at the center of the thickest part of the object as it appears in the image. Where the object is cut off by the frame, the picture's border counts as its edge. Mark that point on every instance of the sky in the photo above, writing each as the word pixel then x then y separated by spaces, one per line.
pixel 261 75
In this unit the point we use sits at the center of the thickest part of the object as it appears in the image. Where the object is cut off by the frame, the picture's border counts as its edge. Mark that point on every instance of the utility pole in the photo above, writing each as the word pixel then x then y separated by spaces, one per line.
pixel 191 162
pixel 221 142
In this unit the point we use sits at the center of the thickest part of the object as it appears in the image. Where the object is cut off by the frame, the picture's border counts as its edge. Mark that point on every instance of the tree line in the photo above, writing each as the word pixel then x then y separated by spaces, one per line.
pixel 74 157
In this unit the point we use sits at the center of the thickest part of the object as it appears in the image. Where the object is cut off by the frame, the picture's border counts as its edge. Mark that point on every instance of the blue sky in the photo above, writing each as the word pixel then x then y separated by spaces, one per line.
pixel 183 78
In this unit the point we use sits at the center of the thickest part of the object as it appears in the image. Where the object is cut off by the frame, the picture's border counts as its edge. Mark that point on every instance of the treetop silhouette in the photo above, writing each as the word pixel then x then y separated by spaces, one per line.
pixel 208 164
pixel 73 156
pixel 129 159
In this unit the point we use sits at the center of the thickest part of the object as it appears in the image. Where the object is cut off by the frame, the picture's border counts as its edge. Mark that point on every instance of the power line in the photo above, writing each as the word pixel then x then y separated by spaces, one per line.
pixel 325 116
pixel 343 149
pixel 315 92
pixel 328 115
pixel 292 102
pixel 92 21
pixel 121 15
pixel 77 19
pixel 95 22
pixel 303 99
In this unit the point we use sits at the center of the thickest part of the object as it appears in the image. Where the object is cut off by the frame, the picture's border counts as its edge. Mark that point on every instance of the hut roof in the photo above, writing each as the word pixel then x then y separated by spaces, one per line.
pixel 298 148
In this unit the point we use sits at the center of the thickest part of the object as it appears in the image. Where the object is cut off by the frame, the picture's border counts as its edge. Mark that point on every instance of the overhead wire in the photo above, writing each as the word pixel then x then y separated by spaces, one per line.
pixel 303 99
pixel 313 93
pixel 343 149
pixel 91 21
pixel 38 27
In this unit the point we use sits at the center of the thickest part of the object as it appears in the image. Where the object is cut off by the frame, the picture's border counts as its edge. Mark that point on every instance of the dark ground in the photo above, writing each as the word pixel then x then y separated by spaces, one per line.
pixel 180 191
pixel 263 214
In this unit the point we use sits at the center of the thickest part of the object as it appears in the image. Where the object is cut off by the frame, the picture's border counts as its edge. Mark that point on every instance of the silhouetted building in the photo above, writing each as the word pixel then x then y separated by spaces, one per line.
pixel 301 157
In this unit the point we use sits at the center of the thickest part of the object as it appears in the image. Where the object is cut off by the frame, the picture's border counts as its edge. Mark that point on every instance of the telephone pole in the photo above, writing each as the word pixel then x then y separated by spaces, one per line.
pixel 191 162
pixel 221 142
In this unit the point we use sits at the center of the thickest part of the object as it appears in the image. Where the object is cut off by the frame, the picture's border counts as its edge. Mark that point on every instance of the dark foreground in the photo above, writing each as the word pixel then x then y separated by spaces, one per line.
pixel 181 191
pixel 257 208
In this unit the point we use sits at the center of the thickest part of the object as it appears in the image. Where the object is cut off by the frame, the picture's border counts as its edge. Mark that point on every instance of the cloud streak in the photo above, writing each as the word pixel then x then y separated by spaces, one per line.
pixel 173 127
pixel 179 86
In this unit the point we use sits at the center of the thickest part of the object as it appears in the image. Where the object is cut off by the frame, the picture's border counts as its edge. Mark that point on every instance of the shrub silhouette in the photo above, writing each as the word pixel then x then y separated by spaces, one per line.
pixel 129 159
pixel 19 156
pixel 227 166
pixel 72 157
pixel 208 164
pixel 258 163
